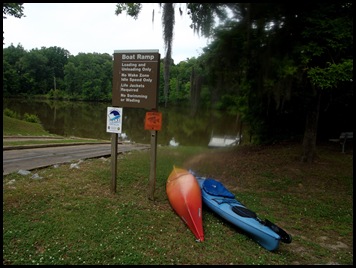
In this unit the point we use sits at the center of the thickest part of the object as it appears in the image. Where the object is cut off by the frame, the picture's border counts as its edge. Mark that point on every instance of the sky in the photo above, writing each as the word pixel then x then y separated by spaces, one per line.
pixel 94 28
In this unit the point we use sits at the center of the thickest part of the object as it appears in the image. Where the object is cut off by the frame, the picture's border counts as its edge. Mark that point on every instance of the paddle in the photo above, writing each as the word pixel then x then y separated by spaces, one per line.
pixel 245 212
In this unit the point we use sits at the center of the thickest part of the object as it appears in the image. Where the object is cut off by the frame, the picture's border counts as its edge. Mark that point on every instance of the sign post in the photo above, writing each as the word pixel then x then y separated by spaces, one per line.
pixel 114 140
pixel 114 126
pixel 153 122
pixel 135 84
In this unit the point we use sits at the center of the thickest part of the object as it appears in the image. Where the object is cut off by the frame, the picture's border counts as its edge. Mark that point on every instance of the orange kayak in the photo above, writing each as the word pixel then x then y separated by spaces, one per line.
pixel 184 195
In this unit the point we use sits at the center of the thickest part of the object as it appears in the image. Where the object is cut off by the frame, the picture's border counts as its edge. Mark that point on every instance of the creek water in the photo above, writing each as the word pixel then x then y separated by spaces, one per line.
pixel 89 119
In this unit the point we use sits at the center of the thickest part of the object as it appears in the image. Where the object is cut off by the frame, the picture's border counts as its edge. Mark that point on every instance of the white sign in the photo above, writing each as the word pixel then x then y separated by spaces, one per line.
pixel 114 120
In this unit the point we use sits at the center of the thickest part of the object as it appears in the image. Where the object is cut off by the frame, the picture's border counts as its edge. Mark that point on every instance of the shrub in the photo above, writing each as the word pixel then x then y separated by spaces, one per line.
pixel 32 118
pixel 11 113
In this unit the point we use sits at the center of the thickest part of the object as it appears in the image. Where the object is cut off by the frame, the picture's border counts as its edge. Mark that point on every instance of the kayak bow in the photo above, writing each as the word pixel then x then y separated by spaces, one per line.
pixel 184 195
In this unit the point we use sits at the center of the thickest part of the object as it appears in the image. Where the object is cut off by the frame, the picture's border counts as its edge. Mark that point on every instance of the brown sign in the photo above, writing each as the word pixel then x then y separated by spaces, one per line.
pixel 135 78
pixel 153 121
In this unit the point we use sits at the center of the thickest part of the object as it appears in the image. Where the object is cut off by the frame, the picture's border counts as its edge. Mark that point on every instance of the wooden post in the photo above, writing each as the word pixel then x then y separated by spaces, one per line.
pixel 152 182
pixel 114 140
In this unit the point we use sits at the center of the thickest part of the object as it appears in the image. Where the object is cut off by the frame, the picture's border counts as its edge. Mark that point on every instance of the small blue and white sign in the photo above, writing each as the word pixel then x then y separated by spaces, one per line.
pixel 114 120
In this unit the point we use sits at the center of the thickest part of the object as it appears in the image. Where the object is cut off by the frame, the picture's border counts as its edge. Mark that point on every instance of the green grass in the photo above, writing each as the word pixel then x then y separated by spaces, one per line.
pixel 70 216
pixel 14 127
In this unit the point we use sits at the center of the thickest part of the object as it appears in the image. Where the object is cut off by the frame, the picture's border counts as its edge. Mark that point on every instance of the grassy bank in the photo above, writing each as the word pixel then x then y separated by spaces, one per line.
pixel 69 216
pixel 17 127
pixel 13 127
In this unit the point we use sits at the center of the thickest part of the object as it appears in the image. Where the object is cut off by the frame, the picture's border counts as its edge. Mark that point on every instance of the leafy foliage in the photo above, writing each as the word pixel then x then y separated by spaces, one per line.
pixel 32 118
pixel 10 113
pixel 132 9
pixel 267 62
pixel 12 9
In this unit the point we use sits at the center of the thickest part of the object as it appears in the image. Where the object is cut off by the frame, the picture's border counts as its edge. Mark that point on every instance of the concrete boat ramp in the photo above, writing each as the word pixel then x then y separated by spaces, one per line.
pixel 33 157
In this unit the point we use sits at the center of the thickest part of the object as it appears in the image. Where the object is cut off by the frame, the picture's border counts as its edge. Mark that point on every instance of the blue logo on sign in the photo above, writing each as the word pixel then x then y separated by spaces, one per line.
pixel 114 115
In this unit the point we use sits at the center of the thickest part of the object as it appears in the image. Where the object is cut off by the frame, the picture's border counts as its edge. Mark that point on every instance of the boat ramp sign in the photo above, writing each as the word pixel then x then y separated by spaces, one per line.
pixel 136 78
pixel 135 84
pixel 114 120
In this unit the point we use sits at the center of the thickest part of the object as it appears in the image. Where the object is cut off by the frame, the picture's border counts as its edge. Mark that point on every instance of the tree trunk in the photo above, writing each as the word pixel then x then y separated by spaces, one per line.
pixel 166 75
pixel 168 26
pixel 195 87
pixel 311 126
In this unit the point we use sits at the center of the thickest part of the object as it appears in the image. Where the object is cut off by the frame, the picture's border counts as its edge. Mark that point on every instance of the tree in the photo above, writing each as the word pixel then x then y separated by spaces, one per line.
pixel 36 72
pixel 202 16
pixel 13 79
pixel 327 60
pixel 168 26
pixel 57 59
pixel 285 58
pixel 88 76
pixel 12 70
pixel 12 9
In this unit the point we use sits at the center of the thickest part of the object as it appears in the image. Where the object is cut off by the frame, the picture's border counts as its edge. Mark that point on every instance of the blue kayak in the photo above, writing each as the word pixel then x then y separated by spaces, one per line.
pixel 221 201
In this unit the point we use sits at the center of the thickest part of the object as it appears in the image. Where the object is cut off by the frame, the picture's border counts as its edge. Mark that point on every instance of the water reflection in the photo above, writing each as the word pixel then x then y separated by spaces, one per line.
pixel 88 120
